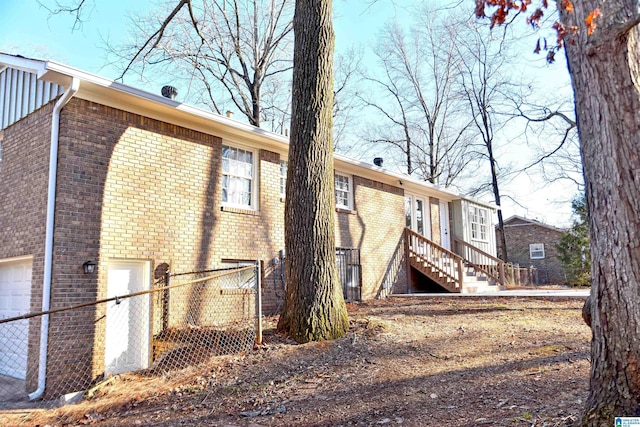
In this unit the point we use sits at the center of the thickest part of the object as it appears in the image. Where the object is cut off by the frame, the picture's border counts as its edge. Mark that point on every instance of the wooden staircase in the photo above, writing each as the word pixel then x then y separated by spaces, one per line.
pixel 476 272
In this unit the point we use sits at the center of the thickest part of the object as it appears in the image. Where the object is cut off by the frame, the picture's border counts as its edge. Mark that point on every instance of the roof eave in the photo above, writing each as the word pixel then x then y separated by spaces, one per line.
pixel 101 90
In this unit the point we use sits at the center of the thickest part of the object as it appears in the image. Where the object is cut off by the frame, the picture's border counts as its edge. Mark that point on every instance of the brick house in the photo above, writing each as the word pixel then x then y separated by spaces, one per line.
pixel 93 170
pixel 533 244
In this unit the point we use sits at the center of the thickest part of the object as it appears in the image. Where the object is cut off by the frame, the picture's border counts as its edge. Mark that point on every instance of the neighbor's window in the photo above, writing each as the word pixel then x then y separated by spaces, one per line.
pixel 283 178
pixel 237 177
pixel 344 192
pixel 478 219
pixel 536 251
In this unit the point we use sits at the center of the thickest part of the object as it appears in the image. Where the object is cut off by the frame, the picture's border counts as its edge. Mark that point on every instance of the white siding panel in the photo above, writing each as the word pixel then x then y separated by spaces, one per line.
pixel 3 96
pixel 21 93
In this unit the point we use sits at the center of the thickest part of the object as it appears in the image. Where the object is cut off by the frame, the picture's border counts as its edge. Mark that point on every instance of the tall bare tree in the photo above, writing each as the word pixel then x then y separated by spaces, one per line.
pixel 314 307
pixel 551 131
pixel 416 99
pixel 231 48
pixel 484 86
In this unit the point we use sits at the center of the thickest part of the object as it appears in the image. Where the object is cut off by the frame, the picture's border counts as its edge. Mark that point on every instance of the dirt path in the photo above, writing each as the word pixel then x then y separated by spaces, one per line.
pixel 405 361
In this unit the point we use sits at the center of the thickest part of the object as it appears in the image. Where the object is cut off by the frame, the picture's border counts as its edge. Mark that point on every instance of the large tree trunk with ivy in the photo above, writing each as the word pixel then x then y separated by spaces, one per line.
pixel 606 80
pixel 314 308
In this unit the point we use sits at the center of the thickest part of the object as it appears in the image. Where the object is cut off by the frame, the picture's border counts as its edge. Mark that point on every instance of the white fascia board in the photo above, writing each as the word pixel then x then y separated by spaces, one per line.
pixel 117 95
pixel 410 184
pixel 23 64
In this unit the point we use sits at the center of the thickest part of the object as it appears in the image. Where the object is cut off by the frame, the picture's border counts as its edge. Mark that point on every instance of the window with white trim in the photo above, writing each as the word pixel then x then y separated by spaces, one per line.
pixel 536 251
pixel 284 166
pixel 478 219
pixel 238 177
pixel 343 191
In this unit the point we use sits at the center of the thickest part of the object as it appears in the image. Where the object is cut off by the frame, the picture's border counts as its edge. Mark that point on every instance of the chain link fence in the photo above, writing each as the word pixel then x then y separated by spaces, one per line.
pixel 184 320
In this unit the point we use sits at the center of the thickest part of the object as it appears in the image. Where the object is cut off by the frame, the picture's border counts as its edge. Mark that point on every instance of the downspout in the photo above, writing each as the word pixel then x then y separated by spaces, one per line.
pixel 48 242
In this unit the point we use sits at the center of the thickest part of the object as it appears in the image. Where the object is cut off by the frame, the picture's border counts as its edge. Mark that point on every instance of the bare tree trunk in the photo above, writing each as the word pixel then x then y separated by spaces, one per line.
pixel 606 82
pixel 314 307
pixel 502 242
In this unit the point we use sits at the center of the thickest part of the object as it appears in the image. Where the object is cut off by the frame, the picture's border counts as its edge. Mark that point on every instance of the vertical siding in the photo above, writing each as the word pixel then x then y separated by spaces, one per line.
pixel 21 93
pixel 488 246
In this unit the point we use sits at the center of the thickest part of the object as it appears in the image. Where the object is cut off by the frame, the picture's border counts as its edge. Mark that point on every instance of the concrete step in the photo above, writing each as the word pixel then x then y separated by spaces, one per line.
pixel 477 287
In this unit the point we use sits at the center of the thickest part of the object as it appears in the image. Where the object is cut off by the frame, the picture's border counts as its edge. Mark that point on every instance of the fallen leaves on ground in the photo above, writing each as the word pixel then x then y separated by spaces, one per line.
pixel 405 361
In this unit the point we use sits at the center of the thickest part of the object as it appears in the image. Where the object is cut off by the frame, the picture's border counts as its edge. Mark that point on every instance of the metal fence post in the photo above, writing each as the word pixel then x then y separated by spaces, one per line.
pixel 258 303
pixel 165 302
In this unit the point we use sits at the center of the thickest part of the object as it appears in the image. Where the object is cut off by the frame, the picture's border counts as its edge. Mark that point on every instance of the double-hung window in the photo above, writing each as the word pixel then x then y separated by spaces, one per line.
pixel 284 166
pixel 536 251
pixel 238 177
pixel 478 219
pixel 344 191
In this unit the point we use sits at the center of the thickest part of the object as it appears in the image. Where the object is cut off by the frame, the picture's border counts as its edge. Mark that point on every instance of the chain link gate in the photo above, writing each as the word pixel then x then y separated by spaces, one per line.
pixel 186 319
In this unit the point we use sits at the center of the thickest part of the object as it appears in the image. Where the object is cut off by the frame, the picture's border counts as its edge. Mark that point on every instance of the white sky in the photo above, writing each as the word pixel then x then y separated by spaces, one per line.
pixel 28 30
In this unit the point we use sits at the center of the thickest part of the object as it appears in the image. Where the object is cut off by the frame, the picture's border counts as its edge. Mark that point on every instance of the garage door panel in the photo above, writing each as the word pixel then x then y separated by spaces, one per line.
pixel 15 299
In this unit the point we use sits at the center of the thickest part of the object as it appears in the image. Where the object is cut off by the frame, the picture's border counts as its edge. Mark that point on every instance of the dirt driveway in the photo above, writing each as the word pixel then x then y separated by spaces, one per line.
pixel 405 361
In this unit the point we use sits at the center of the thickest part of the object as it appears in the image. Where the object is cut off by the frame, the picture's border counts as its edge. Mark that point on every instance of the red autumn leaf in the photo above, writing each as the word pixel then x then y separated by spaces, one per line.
pixel 498 17
pixel 545 4
pixel 551 56
pixel 561 31
pixel 537 49
pixel 534 19
pixel 479 8
pixel 567 5
pixel 590 21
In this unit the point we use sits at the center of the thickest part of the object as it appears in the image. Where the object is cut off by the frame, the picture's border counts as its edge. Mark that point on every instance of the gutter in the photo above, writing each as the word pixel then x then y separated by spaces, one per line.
pixel 48 245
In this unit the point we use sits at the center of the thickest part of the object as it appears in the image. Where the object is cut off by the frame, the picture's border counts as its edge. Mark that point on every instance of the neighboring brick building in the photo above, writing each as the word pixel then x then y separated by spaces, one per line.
pixel 142 181
pixel 533 244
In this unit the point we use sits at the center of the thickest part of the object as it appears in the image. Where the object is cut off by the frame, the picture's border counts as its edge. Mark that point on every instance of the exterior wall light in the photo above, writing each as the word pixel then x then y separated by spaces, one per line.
pixel 89 267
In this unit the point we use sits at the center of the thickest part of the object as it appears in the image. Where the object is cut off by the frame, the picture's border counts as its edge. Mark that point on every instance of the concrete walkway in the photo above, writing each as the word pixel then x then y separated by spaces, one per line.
pixel 547 293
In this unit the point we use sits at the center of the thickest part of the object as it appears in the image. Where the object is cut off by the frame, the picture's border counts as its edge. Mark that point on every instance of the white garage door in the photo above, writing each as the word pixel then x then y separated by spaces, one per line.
pixel 15 294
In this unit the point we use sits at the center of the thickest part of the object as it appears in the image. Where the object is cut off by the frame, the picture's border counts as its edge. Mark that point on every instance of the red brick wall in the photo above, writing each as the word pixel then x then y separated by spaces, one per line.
pixel 518 238
pixel 130 187
pixel 135 188
pixel 23 194
pixel 375 226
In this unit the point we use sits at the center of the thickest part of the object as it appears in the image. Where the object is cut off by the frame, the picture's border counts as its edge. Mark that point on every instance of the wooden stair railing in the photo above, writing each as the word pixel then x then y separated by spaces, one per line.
pixel 481 261
pixel 437 263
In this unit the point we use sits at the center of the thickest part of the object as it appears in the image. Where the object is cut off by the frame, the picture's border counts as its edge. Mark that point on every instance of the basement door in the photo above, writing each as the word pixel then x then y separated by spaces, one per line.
pixel 127 330
pixel 15 298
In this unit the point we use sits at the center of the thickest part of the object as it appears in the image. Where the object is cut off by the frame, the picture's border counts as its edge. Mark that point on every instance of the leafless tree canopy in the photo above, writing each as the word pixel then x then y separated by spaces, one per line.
pixel 415 98
pixel 486 89
pixel 226 52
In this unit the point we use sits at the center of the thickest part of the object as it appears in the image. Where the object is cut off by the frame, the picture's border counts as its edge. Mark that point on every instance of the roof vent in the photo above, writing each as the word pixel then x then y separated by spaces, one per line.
pixel 169 92
pixel 378 161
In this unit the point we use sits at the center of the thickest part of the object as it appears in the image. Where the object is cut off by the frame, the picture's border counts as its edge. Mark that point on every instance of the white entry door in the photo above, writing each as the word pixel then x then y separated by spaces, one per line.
pixel 445 227
pixel 15 299
pixel 417 215
pixel 127 331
